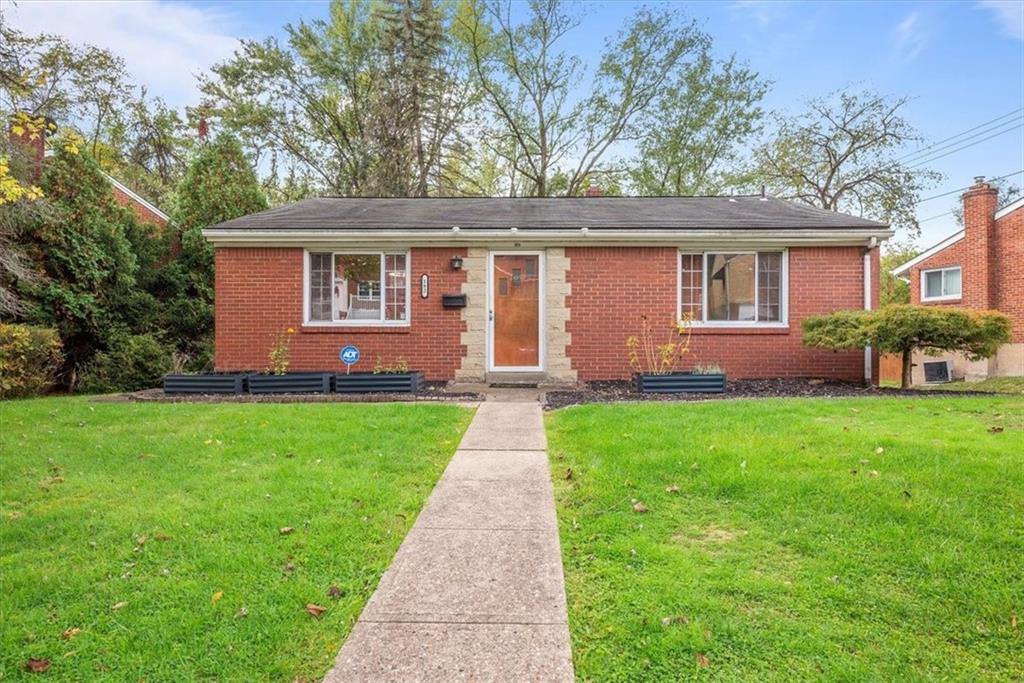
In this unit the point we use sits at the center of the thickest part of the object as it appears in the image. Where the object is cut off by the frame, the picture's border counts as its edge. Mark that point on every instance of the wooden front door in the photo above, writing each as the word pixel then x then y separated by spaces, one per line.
pixel 515 312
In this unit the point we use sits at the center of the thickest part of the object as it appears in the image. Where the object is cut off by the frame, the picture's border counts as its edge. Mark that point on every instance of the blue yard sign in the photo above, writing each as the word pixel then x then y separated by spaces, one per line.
pixel 349 356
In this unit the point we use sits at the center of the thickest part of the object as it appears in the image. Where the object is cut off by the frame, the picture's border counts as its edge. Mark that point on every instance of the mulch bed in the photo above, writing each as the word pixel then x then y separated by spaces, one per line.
pixel 432 391
pixel 608 392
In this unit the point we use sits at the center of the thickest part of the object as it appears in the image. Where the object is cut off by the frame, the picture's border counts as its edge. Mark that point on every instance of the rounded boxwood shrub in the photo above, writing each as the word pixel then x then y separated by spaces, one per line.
pixel 29 359
pixel 134 362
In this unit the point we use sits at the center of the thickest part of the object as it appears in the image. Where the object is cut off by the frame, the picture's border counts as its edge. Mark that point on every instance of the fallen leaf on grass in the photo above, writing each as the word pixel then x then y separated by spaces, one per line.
pixel 640 507
pixel 141 540
pixel 568 473
pixel 672 488
pixel 702 660
pixel 242 613
pixel 334 592
pixel 37 666
pixel 879 450
pixel 15 514
pixel 994 430
pixel 162 537
pixel 285 530
pixel 217 597
pixel 70 633
pixel 873 473
pixel 315 610
pixel 119 605
pixel 675 619
pixel 1013 620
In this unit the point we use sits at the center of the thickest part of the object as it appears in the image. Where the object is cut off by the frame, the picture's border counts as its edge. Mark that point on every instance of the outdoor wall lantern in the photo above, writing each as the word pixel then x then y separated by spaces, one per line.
pixel 456 262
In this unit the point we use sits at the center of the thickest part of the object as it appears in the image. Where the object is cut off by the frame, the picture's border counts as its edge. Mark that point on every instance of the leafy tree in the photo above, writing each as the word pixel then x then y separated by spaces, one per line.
pixel 692 136
pixel 82 248
pixel 219 185
pixel 841 155
pixel 902 328
pixel 894 290
pixel 371 101
pixel 528 81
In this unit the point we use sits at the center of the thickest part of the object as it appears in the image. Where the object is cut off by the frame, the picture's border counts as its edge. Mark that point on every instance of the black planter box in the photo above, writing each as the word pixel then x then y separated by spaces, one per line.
pixel 205 384
pixel 369 382
pixel 291 383
pixel 680 383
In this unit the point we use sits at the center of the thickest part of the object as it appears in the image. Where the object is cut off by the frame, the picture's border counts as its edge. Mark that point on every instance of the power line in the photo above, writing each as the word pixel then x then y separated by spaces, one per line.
pixel 961 189
pixel 959 149
pixel 919 150
pixel 918 157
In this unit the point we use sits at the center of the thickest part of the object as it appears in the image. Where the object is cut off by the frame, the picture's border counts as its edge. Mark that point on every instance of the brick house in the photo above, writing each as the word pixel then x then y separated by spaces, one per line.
pixel 550 289
pixel 980 267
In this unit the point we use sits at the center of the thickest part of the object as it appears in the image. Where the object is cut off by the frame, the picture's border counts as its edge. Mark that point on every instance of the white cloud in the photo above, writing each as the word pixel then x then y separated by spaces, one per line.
pixel 764 11
pixel 1009 13
pixel 909 37
pixel 163 43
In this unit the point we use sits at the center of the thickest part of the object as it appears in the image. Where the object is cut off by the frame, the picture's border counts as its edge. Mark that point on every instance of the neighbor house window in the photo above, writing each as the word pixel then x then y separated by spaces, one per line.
pixel 743 288
pixel 941 283
pixel 358 287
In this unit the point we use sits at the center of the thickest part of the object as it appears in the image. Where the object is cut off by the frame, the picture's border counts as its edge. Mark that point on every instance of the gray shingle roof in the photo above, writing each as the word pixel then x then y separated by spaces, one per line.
pixel 596 213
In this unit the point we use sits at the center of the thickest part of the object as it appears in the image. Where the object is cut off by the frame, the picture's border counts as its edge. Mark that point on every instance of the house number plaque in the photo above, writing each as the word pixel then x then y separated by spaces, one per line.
pixel 424 286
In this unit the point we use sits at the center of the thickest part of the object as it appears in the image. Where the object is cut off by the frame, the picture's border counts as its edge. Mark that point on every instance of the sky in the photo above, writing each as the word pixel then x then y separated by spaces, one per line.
pixel 961 63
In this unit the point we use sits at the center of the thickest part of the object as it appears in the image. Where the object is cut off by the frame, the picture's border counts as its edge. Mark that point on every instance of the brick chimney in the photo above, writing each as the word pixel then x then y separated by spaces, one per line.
pixel 27 136
pixel 594 191
pixel 980 244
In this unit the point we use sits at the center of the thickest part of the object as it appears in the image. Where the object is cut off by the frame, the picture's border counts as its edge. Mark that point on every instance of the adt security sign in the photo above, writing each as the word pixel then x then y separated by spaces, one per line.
pixel 349 356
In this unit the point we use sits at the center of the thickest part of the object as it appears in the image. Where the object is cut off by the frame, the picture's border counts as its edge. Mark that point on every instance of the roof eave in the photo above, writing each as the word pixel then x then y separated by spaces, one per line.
pixel 523 236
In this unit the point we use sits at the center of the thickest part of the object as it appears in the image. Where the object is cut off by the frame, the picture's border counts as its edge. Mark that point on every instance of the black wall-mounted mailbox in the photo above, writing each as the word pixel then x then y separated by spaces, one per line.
pixel 453 300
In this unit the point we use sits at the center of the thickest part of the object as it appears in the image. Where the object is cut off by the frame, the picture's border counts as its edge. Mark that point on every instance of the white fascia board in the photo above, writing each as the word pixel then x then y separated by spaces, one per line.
pixel 948 242
pixel 521 237
pixel 136 197
pixel 1010 208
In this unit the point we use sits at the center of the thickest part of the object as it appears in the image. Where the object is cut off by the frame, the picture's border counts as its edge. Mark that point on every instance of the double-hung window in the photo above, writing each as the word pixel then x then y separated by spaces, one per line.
pixel 733 289
pixel 357 288
pixel 940 284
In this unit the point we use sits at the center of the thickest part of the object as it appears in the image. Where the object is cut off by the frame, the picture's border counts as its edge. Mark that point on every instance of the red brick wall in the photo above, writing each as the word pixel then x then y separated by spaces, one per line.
pixel 991 258
pixel 141 212
pixel 612 287
pixel 259 294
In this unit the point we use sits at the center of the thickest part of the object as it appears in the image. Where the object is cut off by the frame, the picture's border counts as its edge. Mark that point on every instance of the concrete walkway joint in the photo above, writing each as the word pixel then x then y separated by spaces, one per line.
pixel 475 592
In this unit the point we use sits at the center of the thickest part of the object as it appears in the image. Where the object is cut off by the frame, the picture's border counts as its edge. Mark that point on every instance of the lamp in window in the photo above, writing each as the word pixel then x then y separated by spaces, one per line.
pixel 456 262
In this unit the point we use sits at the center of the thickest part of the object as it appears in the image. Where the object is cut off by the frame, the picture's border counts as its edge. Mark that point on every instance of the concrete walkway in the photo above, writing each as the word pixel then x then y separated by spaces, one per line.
pixel 475 592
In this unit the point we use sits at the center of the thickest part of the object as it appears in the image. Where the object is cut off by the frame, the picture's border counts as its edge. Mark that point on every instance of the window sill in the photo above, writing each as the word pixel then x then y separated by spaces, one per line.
pixel 942 300
pixel 739 329
pixel 355 329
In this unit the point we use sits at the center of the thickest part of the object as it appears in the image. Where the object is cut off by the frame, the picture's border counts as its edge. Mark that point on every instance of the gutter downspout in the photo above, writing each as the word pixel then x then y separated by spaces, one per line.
pixel 867 305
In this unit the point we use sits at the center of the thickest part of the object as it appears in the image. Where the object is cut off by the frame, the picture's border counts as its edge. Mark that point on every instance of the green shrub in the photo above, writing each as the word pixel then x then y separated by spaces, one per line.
pixel 29 358
pixel 135 362
pixel 902 328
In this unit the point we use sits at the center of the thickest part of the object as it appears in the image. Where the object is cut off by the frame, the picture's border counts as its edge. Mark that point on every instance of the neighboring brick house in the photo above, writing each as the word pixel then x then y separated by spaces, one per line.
pixel 549 289
pixel 144 211
pixel 980 267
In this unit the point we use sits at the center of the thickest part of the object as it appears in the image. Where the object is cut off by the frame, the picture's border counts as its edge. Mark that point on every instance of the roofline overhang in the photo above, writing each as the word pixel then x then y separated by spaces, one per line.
pixel 901 269
pixel 547 237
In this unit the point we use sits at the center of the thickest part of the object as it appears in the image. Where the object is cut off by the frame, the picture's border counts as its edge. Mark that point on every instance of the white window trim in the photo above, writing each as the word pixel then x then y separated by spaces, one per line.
pixel 944 297
pixel 733 324
pixel 306 263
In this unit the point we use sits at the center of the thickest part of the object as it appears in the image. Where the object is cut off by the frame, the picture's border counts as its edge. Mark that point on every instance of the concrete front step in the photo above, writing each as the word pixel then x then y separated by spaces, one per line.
pixel 517 378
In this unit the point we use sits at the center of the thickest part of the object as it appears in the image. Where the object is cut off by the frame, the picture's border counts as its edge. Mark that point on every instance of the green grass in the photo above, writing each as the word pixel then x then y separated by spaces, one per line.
pixel 209 487
pixel 794 549
pixel 999 385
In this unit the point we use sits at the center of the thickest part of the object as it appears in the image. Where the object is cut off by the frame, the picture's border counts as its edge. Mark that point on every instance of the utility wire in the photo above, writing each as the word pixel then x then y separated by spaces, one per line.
pixel 920 150
pixel 959 149
pixel 961 189
pixel 1011 122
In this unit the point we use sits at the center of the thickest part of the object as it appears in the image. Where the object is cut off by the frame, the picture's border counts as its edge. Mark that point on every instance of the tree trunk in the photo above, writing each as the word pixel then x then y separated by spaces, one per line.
pixel 907 366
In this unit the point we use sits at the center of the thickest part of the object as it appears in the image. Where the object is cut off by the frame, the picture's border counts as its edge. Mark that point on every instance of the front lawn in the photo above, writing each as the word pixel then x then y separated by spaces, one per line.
pixel 857 539
pixel 145 542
